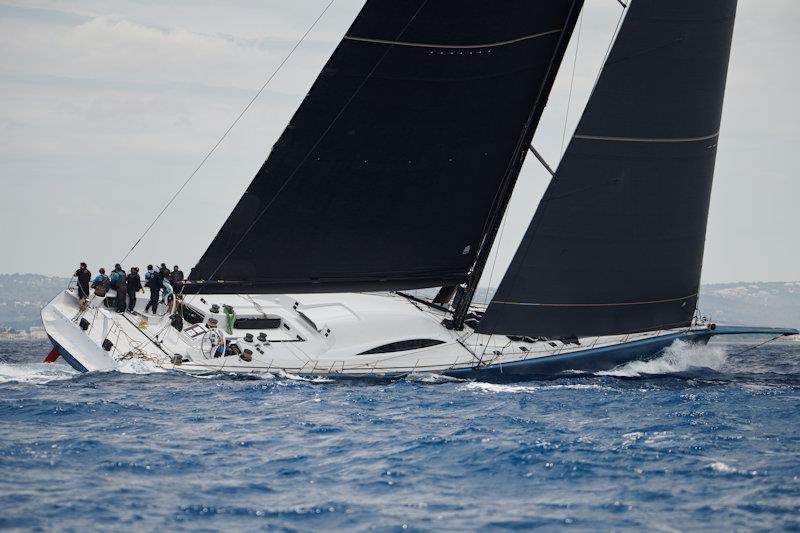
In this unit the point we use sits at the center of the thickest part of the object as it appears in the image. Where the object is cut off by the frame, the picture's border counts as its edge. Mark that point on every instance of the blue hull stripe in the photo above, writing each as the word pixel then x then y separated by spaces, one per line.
pixel 67 356
pixel 608 357
pixel 592 360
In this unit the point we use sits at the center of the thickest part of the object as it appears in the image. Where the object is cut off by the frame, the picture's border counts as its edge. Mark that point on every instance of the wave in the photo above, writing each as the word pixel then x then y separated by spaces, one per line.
pixel 724 468
pixel 294 377
pixel 139 366
pixel 680 356
pixel 35 373
pixel 278 375
pixel 481 386
pixel 430 377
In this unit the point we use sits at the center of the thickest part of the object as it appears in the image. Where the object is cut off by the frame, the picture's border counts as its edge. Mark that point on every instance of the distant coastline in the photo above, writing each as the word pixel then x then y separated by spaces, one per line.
pixel 33 333
pixel 758 303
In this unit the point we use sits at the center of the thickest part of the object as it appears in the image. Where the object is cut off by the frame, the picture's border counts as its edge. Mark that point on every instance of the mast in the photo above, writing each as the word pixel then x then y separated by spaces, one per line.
pixel 514 168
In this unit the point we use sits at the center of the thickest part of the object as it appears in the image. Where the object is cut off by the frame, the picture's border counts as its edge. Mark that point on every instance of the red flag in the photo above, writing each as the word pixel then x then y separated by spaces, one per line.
pixel 52 356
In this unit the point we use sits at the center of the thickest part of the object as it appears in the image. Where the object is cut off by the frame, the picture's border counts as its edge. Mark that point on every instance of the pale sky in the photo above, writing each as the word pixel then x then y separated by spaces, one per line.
pixel 108 105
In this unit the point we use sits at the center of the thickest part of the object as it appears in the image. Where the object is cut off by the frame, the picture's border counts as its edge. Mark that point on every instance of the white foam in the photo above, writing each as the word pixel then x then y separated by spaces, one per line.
pixel 631 438
pixel 493 387
pixel 211 375
pixel 723 468
pixel 138 366
pixel 36 373
pixel 429 377
pixel 719 466
pixel 255 375
pixel 295 377
pixel 659 437
pixel 678 357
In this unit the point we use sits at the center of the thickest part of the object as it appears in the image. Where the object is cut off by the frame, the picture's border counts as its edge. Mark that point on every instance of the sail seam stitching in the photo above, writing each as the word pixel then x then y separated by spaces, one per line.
pixel 646 139
pixel 452 46
pixel 597 305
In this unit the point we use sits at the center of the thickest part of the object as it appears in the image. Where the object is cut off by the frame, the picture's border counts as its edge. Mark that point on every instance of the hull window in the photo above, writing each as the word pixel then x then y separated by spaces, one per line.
pixel 402 346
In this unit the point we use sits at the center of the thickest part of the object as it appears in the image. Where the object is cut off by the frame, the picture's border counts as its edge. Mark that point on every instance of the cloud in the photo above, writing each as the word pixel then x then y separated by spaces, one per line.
pixel 134 84
pixel 112 48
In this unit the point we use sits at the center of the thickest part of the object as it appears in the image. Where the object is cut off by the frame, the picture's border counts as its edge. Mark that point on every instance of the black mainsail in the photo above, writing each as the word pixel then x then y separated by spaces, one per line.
pixel 388 175
pixel 616 244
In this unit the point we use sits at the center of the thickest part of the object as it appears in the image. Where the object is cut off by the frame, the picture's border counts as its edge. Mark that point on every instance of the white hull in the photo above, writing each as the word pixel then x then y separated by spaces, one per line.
pixel 324 334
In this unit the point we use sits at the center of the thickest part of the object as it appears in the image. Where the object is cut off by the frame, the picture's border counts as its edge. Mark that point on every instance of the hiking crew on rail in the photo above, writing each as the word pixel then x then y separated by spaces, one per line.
pixel 163 283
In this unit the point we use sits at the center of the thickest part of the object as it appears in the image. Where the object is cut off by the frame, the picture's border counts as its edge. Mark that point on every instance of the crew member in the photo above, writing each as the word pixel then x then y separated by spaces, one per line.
pixel 100 280
pixel 168 293
pixel 164 271
pixel 154 284
pixel 121 286
pixel 177 278
pixel 134 285
pixel 84 277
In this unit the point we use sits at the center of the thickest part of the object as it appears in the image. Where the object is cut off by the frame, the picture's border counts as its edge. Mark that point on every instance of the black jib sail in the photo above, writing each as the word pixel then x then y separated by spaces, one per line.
pixel 390 169
pixel 616 245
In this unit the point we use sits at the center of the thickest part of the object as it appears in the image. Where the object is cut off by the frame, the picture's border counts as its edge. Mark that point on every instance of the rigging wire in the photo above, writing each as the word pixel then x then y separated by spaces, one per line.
pixel 611 43
pixel 571 83
pixel 599 71
pixel 757 345
pixel 499 242
pixel 496 253
pixel 233 124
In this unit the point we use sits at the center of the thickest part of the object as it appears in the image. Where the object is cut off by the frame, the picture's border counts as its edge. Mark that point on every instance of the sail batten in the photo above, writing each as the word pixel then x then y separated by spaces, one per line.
pixel 597 304
pixel 646 140
pixel 616 244
pixel 387 173
pixel 454 46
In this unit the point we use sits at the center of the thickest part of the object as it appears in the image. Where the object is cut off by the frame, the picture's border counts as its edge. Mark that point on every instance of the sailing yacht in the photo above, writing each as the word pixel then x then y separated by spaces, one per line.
pixel 395 174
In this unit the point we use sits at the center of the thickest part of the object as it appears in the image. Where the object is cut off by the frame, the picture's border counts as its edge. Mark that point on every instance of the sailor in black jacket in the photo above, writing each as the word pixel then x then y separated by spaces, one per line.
pixel 121 286
pixel 84 277
pixel 154 284
pixel 177 278
pixel 134 286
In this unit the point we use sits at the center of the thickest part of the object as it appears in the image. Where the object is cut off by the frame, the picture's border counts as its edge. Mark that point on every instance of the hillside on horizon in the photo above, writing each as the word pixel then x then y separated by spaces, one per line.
pixel 759 303
pixel 22 297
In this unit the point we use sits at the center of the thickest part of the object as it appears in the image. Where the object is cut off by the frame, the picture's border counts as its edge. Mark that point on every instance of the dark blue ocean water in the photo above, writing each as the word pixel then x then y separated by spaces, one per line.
pixel 662 445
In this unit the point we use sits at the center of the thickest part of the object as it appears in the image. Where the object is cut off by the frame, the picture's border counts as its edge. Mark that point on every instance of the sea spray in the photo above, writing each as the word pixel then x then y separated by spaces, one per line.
pixel 431 378
pixel 36 373
pixel 138 366
pixel 480 386
pixel 680 356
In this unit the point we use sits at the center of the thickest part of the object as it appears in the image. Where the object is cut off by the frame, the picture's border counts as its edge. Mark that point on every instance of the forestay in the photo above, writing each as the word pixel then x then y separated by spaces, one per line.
pixel 616 244
pixel 388 172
